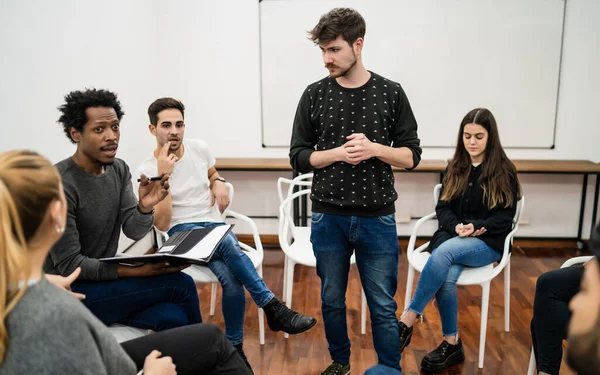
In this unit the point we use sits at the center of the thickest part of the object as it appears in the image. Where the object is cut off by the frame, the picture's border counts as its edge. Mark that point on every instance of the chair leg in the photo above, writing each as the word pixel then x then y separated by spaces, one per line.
pixel 289 286
pixel 285 269
pixel 213 298
pixel 507 296
pixel 409 285
pixel 485 301
pixel 363 312
pixel 261 315
pixel 531 369
pixel 261 326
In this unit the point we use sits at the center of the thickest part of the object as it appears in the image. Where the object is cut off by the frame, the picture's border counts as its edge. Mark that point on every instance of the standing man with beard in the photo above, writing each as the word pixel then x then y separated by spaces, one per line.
pixel 100 199
pixel 350 128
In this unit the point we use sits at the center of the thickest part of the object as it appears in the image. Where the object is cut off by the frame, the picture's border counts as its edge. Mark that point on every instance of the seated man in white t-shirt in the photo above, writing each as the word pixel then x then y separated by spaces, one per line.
pixel 196 189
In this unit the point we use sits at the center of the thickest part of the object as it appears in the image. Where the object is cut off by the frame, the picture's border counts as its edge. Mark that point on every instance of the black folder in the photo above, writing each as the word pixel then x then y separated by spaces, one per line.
pixel 194 246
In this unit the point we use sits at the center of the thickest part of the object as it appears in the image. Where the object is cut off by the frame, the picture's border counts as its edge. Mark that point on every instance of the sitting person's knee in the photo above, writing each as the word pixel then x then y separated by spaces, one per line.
pixel 544 283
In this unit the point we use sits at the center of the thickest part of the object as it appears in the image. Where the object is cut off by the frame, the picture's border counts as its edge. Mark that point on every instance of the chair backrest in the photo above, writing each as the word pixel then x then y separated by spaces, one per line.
pixel 436 193
pixel 286 221
pixel 576 260
pixel 300 181
pixel 254 229
pixel 519 212
pixel 231 192
pixel 303 181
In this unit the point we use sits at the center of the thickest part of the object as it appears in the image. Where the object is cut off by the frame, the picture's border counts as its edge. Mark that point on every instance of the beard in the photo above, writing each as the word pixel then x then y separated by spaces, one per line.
pixel 583 352
pixel 343 73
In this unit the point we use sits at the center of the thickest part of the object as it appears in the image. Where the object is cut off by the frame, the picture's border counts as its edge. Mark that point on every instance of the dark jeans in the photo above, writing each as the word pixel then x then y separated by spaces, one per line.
pixel 195 349
pixel 155 302
pixel 375 241
pixel 234 270
pixel 554 290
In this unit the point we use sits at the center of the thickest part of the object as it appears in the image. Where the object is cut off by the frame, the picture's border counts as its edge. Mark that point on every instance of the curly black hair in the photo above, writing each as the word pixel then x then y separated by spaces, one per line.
pixel 76 103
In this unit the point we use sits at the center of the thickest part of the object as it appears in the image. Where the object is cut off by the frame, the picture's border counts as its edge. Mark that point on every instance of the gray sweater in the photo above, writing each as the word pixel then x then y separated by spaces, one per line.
pixel 51 332
pixel 98 207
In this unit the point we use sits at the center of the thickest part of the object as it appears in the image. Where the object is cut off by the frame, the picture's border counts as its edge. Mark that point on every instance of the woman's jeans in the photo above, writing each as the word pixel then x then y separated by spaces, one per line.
pixel 234 270
pixel 441 272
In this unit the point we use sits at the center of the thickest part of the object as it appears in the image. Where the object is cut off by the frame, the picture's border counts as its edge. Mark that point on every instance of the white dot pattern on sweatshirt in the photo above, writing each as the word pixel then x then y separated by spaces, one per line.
pixel 376 183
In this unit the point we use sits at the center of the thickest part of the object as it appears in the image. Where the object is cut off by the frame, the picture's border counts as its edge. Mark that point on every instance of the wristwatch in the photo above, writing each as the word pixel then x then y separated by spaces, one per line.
pixel 220 179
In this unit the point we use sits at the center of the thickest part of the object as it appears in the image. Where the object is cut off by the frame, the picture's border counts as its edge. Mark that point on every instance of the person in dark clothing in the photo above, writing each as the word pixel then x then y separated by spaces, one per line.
pixel 477 203
pixel 553 292
pixel 583 352
pixel 350 128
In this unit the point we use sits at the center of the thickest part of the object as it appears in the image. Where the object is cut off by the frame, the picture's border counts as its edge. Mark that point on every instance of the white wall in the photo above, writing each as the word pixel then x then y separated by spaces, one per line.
pixel 213 66
pixel 552 201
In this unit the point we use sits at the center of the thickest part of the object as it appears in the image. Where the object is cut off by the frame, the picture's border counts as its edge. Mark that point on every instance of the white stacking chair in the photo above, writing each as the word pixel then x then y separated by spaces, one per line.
pixel 203 274
pixel 531 370
pixel 295 240
pixel 417 258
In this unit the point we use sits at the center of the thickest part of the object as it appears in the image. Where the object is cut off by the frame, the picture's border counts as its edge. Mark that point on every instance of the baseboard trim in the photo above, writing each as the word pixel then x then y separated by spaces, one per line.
pixel 271 241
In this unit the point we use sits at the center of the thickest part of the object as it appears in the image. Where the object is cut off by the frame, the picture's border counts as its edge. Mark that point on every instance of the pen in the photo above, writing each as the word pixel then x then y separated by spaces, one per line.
pixel 151 179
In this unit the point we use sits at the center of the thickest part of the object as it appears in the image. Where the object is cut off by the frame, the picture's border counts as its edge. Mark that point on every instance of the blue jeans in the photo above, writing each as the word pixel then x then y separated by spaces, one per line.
pixel 441 272
pixel 375 241
pixel 156 302
pixel 234 270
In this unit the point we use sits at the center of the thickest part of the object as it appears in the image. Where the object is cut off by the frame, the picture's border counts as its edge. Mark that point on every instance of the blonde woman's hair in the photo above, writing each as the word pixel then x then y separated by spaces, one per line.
pixel 28 184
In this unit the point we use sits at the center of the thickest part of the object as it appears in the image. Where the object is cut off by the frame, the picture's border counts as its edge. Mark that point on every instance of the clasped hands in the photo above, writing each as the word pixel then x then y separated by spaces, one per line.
pixel 468 230
pixel 357 149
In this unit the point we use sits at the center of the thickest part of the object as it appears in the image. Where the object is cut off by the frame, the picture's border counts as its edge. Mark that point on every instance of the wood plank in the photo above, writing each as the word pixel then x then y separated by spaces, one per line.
pixel 306 353
pixel 272 241
pixel 283 164
pixel 556 166
pixel 253 164
pixel 523 166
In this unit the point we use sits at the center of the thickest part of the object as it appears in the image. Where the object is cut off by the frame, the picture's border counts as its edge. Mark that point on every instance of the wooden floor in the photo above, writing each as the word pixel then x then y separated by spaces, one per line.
pixel 306 353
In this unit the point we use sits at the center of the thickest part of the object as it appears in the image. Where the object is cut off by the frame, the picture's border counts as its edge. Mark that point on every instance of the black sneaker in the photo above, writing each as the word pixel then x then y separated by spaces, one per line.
pixel 405 335
pixel 240 351
pixel 444 356
pixel 281 318
pixel 337 369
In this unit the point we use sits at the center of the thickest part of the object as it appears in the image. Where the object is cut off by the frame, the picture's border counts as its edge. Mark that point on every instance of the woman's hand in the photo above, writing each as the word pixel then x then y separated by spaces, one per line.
pixel 65 282
pixel 157 365
pixel 464 230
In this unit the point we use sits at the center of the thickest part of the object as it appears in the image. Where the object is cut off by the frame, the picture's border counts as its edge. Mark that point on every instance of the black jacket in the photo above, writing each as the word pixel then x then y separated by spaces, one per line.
pixel 470 208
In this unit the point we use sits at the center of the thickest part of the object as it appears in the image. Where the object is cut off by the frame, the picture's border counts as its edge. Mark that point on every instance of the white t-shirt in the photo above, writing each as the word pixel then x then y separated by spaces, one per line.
pixel 189 184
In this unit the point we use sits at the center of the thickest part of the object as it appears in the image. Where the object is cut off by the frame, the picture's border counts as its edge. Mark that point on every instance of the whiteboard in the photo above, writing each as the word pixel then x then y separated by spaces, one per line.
pixel 142 50
pixel 450 56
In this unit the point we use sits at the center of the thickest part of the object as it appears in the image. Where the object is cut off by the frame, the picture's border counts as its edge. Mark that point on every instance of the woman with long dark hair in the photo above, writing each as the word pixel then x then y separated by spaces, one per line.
pixel 477 203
